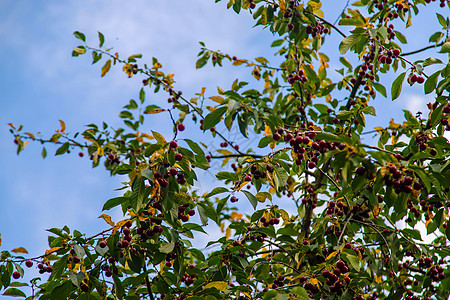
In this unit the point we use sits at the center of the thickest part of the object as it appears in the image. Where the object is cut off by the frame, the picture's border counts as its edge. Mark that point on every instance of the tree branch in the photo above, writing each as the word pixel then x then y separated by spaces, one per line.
pixel 423 49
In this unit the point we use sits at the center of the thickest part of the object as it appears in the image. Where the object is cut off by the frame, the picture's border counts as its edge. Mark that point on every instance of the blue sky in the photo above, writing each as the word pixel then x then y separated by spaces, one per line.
pixel 41 83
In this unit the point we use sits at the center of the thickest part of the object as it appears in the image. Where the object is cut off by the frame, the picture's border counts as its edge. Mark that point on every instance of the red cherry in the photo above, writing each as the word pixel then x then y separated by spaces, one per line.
pixel 178 156
pixel 102 244
pixel 276 136
pixel 29 263
pixel 81 154
pixel 420 79
pixel 181 127
pixel 173 144
pixel 16 275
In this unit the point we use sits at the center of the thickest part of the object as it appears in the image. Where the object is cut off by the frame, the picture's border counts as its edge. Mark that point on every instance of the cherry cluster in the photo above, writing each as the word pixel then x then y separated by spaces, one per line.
pixel 415 78
pixel 311 198
pixel 336 208
pixel 169 258
pixel 300 77
pixel 113 158
pixel 446 112
pixel 278 282
pixel 404 185
pixel 189 279
pixel 441 4
pixel 151 226
pixel 107 270
pixel 182 214
pixel 316 29
pixel 260 237
pixel 333 281
pixel 175 96
pixel 271 221
pixel 127 236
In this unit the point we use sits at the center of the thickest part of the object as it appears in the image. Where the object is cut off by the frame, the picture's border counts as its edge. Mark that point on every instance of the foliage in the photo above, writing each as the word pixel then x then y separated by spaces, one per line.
pixel 344 239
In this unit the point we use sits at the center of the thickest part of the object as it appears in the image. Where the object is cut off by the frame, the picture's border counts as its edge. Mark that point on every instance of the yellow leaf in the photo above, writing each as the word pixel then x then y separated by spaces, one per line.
pixel 11 124
pixel 107 219
pixel 236 216
pixel 376 211
pixel 238 62
pixel 314 5
pixel 119 225
pixel 222 227
pixel 194 100
pixel 203 91
pixel 428 222
pixel 384 171
pixel 63 126
pixel 314 281
pixel 378 279
pixel 267 131
pixel 282 5
pixel 257 72
pixel 30 135
pixel 217 99
pixel 266 84
pixel 156 111
pixel 157 65
pixel 228 233
pixel 332 254
pixel 220 285
pixel 19 250
pixel 106 68
pixel 127 69
pixel 242 185
pixel 52 250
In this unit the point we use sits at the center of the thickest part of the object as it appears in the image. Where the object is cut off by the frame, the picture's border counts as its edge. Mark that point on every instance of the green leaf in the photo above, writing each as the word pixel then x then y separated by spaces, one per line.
pixel 354 261
pixel 101 38
pixel 347 43
pixel 204 216
pixel 63 149
pixel 217 190
pixel 203 60
pixel 58 268
pixel 14 292
pixel 412 233
pixel 397 86
pixel 280 176
pixel 345 62
pixel 167 248
pixel 445 48
pixel 431 82
pixel 214 117
pixel 380 88
pixel 120 292
pixel 114 202
pixel 80 36
pixel 251 198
